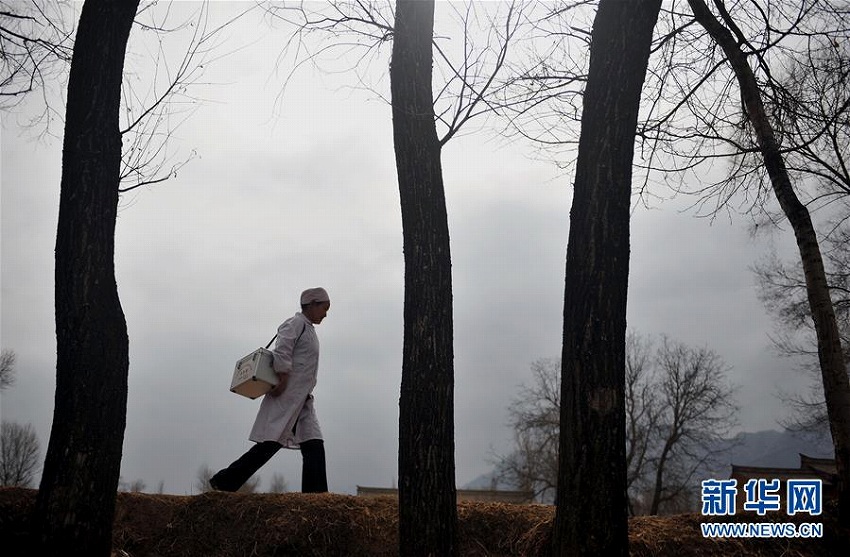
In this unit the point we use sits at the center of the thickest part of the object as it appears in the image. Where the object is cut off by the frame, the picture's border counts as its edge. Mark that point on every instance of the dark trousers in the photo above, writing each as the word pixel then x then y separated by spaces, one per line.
pixel 313 473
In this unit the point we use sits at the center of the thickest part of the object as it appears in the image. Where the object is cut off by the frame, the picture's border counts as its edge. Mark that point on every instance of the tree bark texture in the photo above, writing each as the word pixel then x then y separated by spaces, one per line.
pixel 836 385
pixel 427 498
pixel 592 516
pixel 76 499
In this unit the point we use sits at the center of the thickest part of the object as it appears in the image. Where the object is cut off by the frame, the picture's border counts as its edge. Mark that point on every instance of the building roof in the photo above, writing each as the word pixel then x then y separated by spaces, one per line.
pixel 822 468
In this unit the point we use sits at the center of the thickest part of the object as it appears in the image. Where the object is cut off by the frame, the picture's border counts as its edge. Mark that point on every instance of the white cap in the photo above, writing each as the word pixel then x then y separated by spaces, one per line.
pixel 314 295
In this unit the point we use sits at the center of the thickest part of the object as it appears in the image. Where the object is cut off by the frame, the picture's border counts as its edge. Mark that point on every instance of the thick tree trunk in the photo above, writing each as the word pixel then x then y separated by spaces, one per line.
pixel 591 516
pixel 427 499
pixel 76 499
pixel 836 385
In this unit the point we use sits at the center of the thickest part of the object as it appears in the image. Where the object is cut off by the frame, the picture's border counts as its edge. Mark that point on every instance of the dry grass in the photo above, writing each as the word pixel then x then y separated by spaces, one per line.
pixel 244 525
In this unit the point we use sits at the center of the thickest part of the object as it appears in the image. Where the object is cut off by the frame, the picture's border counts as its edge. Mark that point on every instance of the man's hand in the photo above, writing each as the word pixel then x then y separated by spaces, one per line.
pixel 282 379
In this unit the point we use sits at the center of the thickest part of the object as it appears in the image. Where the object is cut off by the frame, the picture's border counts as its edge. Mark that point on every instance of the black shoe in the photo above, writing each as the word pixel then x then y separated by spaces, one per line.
pixel 216 485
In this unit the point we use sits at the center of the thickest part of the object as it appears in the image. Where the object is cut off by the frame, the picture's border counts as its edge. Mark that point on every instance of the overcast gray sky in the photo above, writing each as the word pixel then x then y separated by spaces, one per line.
pixel 209 264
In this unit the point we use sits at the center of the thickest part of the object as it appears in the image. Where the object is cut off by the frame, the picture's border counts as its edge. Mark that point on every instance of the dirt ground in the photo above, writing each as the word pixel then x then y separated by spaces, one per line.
pixel 243 525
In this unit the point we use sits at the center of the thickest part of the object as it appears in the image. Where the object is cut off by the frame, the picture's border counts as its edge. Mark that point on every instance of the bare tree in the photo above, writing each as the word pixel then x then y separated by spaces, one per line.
pixel 591 516
pixel 134 486
pixel 783 291
pixel 678 407
pixel 643 409
pixel 719 92
pixel 787 129
pixel 202 479
pixel 696 411
pixel 809 104
pixel 7 369
pixel 76 499
pixel 830 354
pixel 426 463
pixel 19 448
pixel 19 454
pixel 534 416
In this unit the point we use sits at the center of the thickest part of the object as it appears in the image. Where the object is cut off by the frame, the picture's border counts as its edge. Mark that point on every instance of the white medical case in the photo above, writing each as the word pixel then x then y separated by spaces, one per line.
pixel 254 374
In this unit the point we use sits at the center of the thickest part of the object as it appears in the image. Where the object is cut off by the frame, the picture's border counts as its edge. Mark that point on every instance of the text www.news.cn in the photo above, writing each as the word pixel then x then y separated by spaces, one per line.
pixel 761 530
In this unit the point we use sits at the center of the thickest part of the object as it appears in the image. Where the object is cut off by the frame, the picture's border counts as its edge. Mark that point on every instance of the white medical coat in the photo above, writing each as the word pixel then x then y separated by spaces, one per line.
pixel 293 409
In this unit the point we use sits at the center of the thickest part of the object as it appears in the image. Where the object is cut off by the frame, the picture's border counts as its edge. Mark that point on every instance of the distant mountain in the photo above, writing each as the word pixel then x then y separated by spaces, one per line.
pixel 771 448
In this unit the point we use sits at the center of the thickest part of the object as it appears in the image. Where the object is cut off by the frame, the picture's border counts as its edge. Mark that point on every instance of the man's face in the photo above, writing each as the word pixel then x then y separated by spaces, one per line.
pixel 317 311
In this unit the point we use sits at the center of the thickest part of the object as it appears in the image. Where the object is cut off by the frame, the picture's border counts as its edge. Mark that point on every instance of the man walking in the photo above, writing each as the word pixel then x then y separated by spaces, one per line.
pixel 287 417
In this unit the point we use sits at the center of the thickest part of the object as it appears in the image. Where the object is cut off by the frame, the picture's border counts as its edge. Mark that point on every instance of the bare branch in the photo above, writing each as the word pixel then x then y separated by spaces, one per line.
pixel 19 454
pixel 153 115
pixel 7 369
pixel 36 41
pixel 471 72
pixel 678 407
